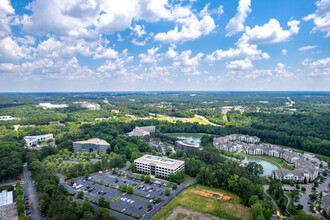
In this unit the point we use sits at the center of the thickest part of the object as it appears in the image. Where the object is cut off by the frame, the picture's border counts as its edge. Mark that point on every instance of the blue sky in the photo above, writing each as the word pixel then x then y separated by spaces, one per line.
pixel 140 45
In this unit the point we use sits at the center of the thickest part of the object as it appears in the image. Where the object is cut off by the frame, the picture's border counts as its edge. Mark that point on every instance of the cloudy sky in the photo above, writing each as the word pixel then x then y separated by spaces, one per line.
pixel 134 45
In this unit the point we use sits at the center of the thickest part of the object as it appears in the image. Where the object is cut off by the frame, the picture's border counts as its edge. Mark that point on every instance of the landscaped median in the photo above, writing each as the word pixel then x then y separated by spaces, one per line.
pixel 107 185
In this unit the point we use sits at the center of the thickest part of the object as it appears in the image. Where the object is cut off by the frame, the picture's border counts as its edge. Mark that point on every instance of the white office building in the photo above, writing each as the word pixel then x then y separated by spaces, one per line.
pixel 142 131
pixel 52 106
pixel 33 140
pixel 158 166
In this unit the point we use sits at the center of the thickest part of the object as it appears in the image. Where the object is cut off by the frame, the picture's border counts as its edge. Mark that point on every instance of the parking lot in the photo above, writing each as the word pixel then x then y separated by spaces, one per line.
pixel 128 203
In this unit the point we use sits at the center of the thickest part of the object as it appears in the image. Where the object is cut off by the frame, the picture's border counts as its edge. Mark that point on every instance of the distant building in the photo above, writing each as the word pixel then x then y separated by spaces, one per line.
pixel 33 140
pixel 227 147
pixel 6 198
pixel 158 166
pixel 52 106
pixel 91 145
pixel 171 110
pixel 8 118
pixel 91 106
pixel 54 122
pixel 115 111
pixel 185 145
pixel 325 202
pixel 142 131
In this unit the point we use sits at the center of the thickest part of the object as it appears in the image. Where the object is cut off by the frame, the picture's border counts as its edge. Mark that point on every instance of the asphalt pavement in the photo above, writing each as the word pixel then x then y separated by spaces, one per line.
pixel 305 198
pixel 128 203
pixel 29 190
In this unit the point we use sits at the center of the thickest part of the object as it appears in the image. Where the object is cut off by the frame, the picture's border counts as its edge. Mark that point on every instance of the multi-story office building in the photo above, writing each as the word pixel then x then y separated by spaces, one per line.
pixel 158 166
pixel 185 145
pixel 91 145
pixel 33 140
pixel 142 131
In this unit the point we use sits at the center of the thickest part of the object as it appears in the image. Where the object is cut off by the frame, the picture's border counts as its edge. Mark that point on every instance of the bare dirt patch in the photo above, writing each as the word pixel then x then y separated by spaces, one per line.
pixel 181 213
pixel 210 194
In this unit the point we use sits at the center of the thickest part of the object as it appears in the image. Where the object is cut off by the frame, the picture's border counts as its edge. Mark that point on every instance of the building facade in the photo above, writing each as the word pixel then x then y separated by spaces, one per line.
pixel 91 145
pixel 185 145
pixel 158 166
pixel 142 131
pixel 33 140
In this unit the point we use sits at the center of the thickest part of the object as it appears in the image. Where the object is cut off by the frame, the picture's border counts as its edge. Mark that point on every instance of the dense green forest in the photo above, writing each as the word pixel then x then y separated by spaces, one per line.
pixel 302 125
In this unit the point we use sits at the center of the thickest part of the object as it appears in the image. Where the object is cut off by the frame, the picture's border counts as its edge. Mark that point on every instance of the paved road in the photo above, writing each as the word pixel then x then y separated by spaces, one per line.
pixel 305 198
pixel 29 190
pixel 274 203
pixel 173 194
pixel 12 183
pixel 287 205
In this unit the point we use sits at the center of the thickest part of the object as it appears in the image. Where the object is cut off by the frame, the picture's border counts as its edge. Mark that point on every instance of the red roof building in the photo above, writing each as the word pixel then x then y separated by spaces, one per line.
pixel 172 110
pixel 54 122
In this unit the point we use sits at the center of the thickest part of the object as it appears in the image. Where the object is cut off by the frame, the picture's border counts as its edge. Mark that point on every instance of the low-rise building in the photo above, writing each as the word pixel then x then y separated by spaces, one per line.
pixel 33 140
pixel 92 145
pixel 185 145
pixel 54 122
pixel 171 110
pixel 142 131
pixel 52 106
pixel 8 118
pixel 91 106
pixel 115 111
pixel 6 198
pixel 325 203
pixel 158 166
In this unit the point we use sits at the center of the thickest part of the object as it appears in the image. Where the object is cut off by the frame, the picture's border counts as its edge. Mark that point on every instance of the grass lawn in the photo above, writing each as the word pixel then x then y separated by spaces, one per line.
pixel 187 178
pixel 219 208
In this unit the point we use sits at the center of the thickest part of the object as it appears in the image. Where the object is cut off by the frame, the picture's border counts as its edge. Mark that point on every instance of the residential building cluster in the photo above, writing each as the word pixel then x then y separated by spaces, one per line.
pixel 235 137
pixel 92 145
pixel 325 201
pixel 51 106
pixel 142 131
pixel 158 166
pixel 8 118
pixel 304 170
pixel 185 145
pixel 33 140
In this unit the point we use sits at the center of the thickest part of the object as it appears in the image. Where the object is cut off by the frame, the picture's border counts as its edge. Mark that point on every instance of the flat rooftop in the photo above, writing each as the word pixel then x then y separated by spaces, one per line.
pixel 6 197
pixel 159 161
pixel 189 143
pixel 93 141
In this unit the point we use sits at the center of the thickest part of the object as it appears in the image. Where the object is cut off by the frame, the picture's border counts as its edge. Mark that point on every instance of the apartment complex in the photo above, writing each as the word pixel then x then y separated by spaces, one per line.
pixel 185 145
pixel 158 166
pixel 33 140
pixel 92 145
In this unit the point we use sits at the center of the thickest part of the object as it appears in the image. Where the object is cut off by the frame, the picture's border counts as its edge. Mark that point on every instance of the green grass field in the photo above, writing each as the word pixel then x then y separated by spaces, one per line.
pixel 223 209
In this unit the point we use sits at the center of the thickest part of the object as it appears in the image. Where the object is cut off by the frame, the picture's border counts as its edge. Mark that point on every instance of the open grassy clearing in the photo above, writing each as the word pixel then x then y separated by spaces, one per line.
pixel 224 209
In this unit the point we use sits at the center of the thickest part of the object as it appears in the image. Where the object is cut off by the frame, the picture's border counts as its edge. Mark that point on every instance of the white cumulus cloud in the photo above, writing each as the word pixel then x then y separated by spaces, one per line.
pixel 321 17
pixel 236 24
pixel 307 48
pixel 270 32
pixel 191 29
